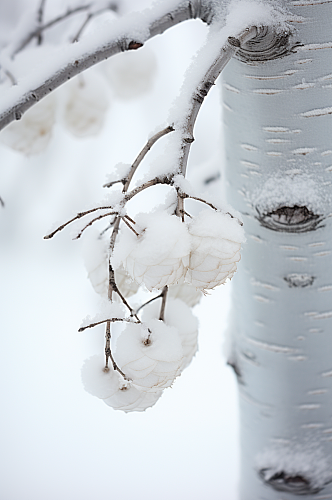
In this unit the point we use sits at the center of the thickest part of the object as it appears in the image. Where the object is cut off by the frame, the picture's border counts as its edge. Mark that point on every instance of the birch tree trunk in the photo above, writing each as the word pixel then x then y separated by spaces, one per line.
pixel 278 125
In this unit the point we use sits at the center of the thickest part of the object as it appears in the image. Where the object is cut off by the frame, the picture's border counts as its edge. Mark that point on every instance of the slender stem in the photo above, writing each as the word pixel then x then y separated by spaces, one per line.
pixel 78 216
pixel 148 302
pixel 80 31
pixel 130 227
pixel 112 320
pixel 2 203
pixel 163 303
pixel 142 187
pixel 40 15
pixel 144 151
pixel 92 222
pixel 37 32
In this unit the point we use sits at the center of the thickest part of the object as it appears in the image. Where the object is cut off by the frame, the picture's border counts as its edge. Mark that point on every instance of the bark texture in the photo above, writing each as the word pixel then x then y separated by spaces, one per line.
pixel 278 125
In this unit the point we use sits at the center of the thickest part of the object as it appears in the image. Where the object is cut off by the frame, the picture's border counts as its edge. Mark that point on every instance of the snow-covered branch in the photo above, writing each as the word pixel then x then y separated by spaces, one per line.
pixel 127 33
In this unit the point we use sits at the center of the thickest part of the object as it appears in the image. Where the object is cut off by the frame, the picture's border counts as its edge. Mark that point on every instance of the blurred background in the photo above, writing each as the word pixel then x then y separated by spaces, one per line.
pixel 57 441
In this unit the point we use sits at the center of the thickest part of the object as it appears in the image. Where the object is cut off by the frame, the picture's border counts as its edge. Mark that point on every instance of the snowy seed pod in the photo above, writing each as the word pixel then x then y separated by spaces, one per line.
pixel 86 103
pixel 131 74
pixel 150 354
pixel 178 315
pixel 110 386
pixel 32 133
pixel 129 398
pixel 159 256
pixel 216 242
pixel 185 292
pixel 98 382
pixel 96 264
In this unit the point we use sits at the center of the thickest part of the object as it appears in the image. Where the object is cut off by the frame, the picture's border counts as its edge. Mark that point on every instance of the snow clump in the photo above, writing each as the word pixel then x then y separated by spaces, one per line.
pixel 159 256
pixel 150 354
pixel 216 242
pixel 32 133
pixel 112 388
pixel 177 315
pixel 96 263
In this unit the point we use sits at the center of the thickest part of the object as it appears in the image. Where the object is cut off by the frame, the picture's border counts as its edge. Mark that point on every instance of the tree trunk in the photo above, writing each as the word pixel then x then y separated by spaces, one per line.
pixel 278 126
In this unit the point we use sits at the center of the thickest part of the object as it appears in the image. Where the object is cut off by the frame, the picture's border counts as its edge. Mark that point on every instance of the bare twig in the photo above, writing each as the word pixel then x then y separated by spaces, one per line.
pixel 211 205
pixel 85 23
pixel 92 222
pixel 142 187
pixel 108 352
pixel 78 216
pixel 149 302
pixel 112 183
pixel 38 31
pixel 40 15
pixel 130 227
pixel 163 303
pixel 2 203
pixel 144 151
pixel 111 320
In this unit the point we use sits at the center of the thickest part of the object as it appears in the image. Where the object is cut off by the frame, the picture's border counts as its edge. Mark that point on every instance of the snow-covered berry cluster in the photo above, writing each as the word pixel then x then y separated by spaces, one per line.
pixel 167 251
pixel 149 355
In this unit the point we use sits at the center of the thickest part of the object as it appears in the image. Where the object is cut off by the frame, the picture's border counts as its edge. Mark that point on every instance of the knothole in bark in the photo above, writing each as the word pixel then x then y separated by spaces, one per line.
pixel 299 280
pixel 296 219
pixel 267 45
pixel 297 484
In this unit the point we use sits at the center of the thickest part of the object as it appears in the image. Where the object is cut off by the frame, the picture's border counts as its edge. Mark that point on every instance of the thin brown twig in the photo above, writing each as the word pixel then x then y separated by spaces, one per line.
pixel 111 320
pixel 40 29
pixel 149 302
pixel 163 303
pixel 144 151
pixel 212 206
pixel 110 184
pixel 92 222
pixel 142 187
pixel 130 219
pixel 40 15
pixel 130 227
pixel 78 216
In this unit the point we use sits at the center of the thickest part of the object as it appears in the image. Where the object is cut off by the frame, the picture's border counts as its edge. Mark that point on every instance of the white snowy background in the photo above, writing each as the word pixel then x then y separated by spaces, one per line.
pixel 57 441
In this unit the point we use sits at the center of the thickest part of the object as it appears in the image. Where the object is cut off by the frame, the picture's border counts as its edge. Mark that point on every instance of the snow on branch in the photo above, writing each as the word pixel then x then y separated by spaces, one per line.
pixel 66 61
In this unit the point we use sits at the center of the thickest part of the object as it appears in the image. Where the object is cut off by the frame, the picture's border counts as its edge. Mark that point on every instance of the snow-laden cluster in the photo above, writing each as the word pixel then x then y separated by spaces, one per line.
pixel 203 253
pixel 150 354
pixel 32 133
pixel 159 256
pixel 111 387
pixel 96 264
pixel 216 243
pixel 178 315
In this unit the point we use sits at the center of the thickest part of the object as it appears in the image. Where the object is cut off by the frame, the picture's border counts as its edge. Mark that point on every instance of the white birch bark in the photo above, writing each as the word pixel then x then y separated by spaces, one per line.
pixel 278 126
